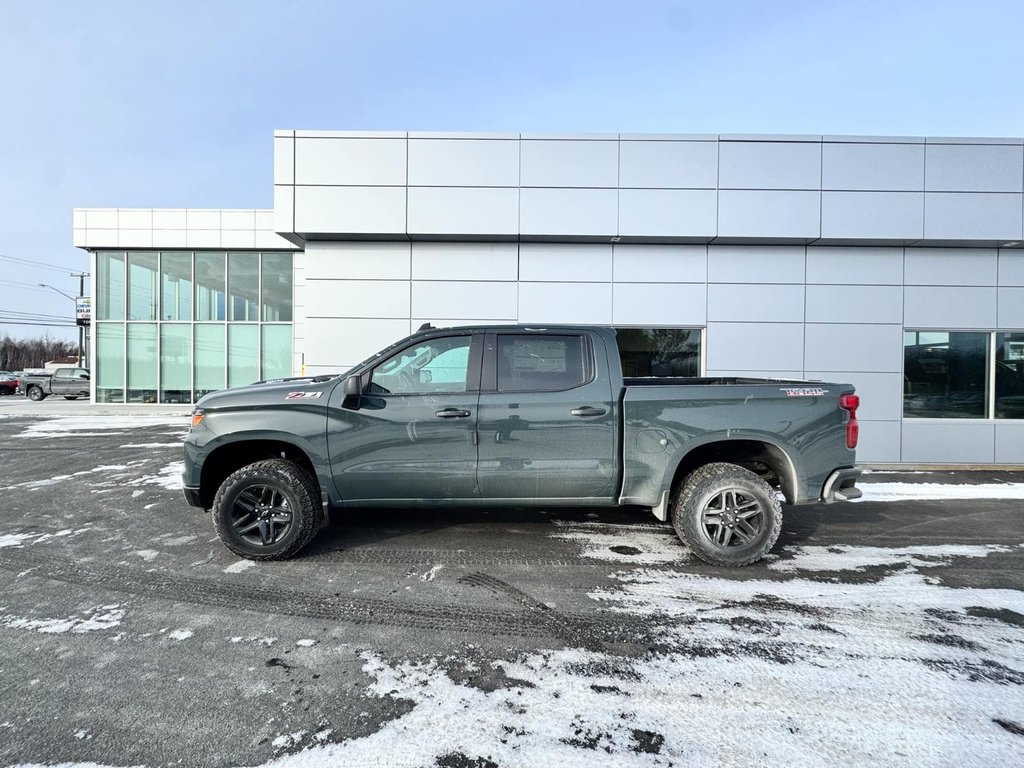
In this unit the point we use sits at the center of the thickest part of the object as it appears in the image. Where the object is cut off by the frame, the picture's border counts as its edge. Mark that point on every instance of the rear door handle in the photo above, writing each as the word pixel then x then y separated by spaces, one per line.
pixel 588 410
pixel 451 413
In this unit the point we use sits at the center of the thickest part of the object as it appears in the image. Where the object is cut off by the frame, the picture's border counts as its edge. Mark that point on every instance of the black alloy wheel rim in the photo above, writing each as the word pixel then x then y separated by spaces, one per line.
pixel 732 518
pixel 261 515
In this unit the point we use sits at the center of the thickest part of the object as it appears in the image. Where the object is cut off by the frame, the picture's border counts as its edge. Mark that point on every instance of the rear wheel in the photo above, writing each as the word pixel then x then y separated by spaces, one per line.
pixel 727 515
pixel 35 393
pixel 268 510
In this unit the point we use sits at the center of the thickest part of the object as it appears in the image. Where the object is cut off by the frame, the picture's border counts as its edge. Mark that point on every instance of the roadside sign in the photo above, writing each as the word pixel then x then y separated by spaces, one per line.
pixel 83 306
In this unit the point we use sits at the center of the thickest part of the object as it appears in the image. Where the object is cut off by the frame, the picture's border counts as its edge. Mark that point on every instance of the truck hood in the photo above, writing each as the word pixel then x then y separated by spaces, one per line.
pixel 296 392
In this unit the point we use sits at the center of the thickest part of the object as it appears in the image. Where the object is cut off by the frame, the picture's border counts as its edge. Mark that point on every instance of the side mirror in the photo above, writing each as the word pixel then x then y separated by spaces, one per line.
pixel 353 389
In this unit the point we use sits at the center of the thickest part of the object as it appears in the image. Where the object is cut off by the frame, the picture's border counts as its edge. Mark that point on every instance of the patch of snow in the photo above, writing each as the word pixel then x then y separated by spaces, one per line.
pixel 266 642
pixel 286 740
pixel 851 558
pixel 180 634
pixel 54 427
pixel 938 491
pixel 168 478
pixel 177 541
pixel 241 565
pixel 136 494
pixel 15 539
pixel 432 573
pixel 96 619
pixel 149 555
pixel 622 544
pixel 151 445
pixel 305 643
pixel 83 734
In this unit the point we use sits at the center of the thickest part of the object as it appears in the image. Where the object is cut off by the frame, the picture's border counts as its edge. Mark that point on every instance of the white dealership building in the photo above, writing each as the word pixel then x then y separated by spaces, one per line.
pixel 893 263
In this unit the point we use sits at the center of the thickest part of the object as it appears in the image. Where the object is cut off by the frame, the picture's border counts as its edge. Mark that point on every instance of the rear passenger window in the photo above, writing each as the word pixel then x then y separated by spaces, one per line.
pixel 535 363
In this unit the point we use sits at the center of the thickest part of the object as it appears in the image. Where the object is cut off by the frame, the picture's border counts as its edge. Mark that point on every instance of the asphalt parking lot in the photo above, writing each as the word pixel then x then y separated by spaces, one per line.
pixel 878 633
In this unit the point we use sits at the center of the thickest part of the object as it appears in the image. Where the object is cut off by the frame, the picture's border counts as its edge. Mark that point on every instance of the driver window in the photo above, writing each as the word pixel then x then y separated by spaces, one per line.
pixel 437 365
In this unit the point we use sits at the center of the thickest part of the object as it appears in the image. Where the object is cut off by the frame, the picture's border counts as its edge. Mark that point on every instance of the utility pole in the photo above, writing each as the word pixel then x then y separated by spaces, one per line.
pixel 81 328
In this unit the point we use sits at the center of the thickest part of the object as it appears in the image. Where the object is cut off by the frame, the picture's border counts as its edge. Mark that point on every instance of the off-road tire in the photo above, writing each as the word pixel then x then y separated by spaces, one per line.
pixel 702 492
pixel 35 394
pixel 296 486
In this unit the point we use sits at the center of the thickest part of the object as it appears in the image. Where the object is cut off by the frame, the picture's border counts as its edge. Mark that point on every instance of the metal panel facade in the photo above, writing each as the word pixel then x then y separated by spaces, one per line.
pixel 801 256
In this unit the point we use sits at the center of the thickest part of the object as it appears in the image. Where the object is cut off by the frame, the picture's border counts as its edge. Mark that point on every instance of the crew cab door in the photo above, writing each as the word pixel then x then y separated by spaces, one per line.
pixel 546 418
pixel 411 435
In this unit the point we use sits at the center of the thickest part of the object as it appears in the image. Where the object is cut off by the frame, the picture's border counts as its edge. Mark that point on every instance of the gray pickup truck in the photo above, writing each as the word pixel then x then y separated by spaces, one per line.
pixel 72 383
pixel 519 416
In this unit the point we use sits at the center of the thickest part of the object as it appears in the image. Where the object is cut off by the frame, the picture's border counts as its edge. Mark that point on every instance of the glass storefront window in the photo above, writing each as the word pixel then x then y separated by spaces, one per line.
pixel 945 374
pixel 110 285
pixel 210 358
pixel 277 287
pixel 141 362
pixel 110 362
pixel 277 352
pixel 1009 376
pixel 210 287
pixel 176 285
pixel 243 286
pixel 659 351
pixel 173 326
pixel 243 355
pixel 142 285
pixel 175 363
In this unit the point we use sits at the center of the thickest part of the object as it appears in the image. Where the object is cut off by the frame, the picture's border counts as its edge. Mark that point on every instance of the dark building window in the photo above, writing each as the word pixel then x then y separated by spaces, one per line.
pixel 659 351
pixel 945 374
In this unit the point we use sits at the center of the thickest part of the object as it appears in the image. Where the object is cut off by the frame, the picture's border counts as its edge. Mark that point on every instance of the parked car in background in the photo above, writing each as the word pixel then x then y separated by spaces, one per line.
pixel 9 383
pixel 72 383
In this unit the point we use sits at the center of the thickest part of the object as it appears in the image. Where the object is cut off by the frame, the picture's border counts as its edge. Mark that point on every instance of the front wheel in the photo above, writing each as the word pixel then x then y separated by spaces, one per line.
pixel 268 510
pixel 35 394
pixel 727 515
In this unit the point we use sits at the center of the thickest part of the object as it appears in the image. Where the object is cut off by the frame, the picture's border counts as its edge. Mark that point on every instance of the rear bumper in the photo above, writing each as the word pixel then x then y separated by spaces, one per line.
pixel 192 497
pixel 841 486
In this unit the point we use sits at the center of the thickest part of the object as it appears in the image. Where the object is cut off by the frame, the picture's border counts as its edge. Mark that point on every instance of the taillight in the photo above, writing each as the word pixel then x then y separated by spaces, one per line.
pixel 851 403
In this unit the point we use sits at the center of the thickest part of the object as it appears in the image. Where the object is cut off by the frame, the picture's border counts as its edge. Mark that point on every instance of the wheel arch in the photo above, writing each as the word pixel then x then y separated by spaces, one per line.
pixel 231 456
pixel 763 457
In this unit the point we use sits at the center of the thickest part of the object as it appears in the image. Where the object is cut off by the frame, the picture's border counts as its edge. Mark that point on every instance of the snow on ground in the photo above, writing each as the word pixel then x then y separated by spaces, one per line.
pixel 849 558
pixel 180 634
pixel 778 670
pixel 152 445
pixel 100 425
pixel 169 478
pixel 238 567
pixel 640 544
pixel 99 618
pixel 939 491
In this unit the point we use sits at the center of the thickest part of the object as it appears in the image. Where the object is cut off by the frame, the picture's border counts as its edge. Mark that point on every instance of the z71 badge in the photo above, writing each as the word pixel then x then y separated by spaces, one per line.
pixel 804 391
pixel 303 395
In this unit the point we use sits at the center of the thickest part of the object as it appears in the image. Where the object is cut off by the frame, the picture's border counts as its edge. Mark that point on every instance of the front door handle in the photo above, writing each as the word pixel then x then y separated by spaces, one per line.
pixel 451 413
pixel 588 410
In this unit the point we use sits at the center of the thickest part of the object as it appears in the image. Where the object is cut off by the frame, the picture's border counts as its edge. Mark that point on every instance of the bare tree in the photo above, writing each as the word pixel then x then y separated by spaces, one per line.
pixel 19 354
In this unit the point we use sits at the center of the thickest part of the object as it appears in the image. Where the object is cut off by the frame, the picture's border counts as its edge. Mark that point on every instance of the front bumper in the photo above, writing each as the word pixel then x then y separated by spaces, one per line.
pixel 192 497
pixel 841 486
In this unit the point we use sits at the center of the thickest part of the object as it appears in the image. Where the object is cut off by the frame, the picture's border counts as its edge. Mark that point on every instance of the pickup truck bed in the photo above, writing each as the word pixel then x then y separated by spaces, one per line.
pixel 522 416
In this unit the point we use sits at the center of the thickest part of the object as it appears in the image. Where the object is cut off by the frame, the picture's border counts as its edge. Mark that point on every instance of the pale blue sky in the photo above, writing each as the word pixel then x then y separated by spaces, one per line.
pixel 173 104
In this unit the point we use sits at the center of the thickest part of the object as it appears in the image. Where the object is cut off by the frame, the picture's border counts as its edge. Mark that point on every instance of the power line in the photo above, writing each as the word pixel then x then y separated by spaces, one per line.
pixel 17 284
pixel 68 324
pixel 17 315
pixel 32 262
